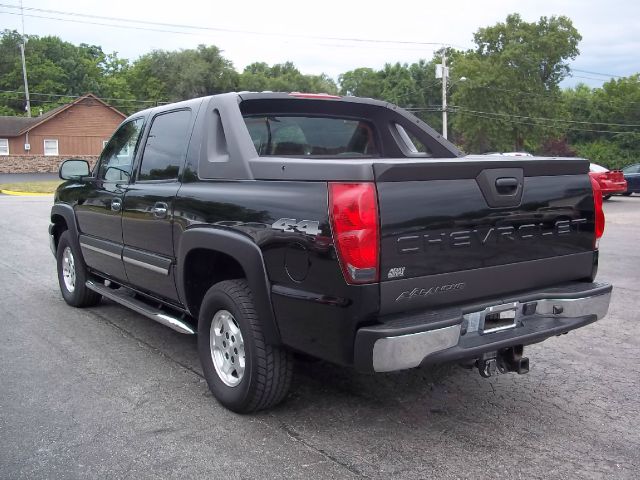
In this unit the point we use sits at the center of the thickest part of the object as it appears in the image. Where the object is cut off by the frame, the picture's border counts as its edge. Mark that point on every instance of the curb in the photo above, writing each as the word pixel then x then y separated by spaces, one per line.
pixel 25 194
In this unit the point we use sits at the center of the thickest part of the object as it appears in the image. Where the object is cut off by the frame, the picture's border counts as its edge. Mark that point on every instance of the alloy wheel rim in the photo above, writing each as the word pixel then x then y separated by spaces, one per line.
pixel 68 270
pixel 227 348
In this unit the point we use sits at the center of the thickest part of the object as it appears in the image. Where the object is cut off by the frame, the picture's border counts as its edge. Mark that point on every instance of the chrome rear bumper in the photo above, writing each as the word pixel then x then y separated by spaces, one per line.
pixel 459 335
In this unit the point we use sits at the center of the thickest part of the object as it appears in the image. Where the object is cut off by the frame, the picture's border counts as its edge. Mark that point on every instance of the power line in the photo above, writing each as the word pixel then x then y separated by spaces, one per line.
pixel 132 27
pixel 78 96
pixel 233 31
pixel 521 118
pixel 456 108
pixel 587 78
pixel 129 27
pixel 203 28
pixel 582 122
pixel 518 122
pixel 429 109
pixel 63 100
pixel 597 73
pixel 554 98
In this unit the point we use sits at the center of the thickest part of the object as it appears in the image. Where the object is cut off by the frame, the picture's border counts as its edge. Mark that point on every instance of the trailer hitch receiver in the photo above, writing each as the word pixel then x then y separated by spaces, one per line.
pixel 503 361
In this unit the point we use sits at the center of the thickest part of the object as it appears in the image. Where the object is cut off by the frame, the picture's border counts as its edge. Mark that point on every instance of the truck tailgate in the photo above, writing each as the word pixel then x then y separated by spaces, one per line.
pixel 455 230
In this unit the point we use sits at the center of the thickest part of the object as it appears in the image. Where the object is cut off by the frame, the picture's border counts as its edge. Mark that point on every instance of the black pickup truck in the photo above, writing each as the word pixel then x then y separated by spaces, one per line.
pixel 341 228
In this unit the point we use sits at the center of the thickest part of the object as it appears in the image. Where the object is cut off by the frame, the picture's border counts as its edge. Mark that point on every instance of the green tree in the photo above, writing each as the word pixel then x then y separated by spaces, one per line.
pixel 178 75
pixel 399 87
pixel 603 136
pixel 283 77
pixel 409 86
pixel 361 82
pixel 514 74
pixel 57 71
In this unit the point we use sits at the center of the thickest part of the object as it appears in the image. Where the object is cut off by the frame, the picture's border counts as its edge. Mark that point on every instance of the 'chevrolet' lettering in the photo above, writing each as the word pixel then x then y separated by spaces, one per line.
pixel 486 236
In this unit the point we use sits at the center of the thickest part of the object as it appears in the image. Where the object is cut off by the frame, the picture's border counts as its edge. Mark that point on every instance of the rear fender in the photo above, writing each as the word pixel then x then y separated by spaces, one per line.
pixel 247 254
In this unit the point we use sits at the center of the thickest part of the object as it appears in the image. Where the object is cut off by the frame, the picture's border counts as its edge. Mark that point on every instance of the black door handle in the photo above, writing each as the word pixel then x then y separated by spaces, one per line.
pixel 506 185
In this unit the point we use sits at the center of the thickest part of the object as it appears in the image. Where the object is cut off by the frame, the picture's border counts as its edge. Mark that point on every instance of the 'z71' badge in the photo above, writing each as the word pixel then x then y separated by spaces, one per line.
pixel 396 272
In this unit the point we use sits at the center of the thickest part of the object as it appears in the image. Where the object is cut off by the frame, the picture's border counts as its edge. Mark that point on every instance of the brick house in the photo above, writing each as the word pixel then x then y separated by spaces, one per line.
pixel 77 129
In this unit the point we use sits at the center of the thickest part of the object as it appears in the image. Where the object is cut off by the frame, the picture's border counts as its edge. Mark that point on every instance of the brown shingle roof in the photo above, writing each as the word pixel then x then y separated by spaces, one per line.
pixel 13 126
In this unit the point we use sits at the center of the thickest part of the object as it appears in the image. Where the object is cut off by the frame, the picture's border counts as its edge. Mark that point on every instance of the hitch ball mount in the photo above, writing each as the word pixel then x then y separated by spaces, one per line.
pixel 503 361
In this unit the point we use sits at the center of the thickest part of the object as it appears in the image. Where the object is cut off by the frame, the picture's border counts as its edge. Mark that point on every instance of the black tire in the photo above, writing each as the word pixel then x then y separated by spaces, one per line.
pixel 606 197
pixel 627 194
pixel 78 296
pixel 268 369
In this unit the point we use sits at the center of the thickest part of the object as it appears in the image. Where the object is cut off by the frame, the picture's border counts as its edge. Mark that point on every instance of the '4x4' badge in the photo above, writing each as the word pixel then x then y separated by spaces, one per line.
pixel 309 227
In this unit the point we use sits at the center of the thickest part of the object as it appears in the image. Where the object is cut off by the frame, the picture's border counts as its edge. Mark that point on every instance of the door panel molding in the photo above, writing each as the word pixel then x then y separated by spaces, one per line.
pixel 104 256
pixel 150 261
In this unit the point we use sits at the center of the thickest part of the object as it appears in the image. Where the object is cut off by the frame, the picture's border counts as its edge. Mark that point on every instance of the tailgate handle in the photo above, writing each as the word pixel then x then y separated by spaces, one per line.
pixel 506 185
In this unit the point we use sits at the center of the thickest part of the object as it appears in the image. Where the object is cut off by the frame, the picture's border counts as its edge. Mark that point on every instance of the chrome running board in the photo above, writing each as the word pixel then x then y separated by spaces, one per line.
pixel 142 308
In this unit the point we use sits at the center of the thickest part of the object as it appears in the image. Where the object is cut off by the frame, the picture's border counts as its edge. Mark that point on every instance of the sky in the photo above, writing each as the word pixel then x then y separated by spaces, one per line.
pixel 318 38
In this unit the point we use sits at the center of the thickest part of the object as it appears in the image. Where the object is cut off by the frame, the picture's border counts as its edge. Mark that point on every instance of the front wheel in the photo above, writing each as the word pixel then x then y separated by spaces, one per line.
pixel 627 194
pixel 243 372
pixel 606 197
pixel 72 275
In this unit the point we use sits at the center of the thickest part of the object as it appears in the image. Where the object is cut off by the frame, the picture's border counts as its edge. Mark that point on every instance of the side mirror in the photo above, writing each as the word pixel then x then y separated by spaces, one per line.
pixel 73 169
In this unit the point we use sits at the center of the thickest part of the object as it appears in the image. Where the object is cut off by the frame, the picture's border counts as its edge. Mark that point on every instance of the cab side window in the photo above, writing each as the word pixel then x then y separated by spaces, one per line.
pixel 166 146
pixel 117 157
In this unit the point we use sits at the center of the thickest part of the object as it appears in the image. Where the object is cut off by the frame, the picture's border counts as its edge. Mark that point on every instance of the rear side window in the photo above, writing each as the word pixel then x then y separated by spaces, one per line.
pixel 411 143
pixel 312 136
pixel 166 146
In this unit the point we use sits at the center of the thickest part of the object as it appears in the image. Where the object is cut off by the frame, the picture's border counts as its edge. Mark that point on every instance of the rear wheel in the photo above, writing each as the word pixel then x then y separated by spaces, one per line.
pixel 243 372
pixel 627 194
pixel 606 197
pixel 72 275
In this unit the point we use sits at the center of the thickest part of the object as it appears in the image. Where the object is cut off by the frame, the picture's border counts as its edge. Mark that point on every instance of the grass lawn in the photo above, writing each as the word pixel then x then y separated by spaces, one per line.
pixel 48 186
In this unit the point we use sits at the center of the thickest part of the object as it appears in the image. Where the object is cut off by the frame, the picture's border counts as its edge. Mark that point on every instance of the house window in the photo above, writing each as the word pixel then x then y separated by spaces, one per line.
pixel 51 147
pixel 4 146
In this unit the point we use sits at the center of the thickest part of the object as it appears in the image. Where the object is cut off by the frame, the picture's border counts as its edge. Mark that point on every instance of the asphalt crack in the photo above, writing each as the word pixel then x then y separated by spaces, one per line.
pixel 295 436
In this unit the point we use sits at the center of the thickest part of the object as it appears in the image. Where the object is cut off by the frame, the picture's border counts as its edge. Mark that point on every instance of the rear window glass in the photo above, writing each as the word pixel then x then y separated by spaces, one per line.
pixel 411 142
pixel 311 136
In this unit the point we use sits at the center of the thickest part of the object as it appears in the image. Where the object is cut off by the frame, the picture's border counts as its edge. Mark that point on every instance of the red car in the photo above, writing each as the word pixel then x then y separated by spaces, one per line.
pixel 610 181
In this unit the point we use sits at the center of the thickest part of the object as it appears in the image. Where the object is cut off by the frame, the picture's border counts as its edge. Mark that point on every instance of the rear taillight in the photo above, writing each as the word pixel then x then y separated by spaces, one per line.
pixel 598 211
pixel 353 209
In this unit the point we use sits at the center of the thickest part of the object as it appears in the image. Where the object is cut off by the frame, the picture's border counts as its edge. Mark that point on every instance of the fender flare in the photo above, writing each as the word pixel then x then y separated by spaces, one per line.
pixel 242 249
pixel 66 211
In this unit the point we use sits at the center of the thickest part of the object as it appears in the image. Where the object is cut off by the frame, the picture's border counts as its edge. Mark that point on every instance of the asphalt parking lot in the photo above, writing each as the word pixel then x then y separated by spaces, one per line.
pixel 106 393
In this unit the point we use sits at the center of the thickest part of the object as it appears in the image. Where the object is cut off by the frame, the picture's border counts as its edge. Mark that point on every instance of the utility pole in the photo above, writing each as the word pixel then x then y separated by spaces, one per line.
pixel 24 65
pixel 445 74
